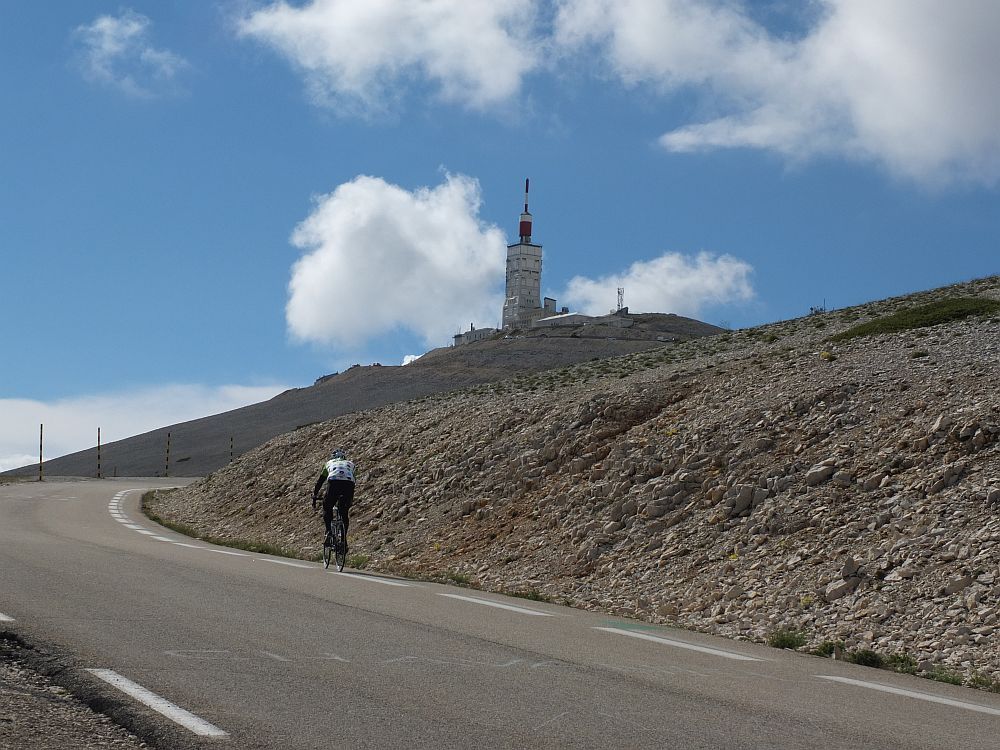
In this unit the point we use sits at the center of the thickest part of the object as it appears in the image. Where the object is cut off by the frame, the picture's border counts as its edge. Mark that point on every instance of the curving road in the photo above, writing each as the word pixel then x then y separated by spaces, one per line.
pixel 261 652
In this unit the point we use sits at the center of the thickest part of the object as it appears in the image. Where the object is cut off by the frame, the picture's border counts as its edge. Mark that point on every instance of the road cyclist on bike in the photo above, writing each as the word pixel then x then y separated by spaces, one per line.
pixel 338 474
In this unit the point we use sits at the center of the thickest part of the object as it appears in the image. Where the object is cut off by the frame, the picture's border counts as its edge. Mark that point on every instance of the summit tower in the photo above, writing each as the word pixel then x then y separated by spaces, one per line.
pixel 523 303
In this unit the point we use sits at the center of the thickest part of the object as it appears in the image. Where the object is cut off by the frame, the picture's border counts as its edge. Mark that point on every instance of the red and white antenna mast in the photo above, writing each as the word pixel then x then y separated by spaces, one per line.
pixel 525 228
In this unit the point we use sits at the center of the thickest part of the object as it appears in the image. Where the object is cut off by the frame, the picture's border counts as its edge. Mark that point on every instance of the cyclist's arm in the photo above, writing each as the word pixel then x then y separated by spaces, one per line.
pixel 319 482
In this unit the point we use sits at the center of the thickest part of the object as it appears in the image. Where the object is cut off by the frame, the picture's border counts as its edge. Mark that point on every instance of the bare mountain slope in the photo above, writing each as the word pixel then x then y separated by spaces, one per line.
pixel 202 445
pixel 752 482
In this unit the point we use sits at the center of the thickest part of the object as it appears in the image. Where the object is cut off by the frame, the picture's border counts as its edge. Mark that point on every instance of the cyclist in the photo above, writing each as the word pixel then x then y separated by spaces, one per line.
pixel 338 473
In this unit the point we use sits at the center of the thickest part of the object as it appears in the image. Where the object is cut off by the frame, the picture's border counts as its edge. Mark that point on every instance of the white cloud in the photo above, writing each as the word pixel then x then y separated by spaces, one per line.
pixel 672 283
pixel 71 424
pixel 116 51
pixel 411 358
pixel 908 84
pixel 354 54
pixel 378 258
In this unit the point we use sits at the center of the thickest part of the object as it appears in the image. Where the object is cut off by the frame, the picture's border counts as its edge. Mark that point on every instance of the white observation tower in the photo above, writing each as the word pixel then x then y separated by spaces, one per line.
pixel 523 303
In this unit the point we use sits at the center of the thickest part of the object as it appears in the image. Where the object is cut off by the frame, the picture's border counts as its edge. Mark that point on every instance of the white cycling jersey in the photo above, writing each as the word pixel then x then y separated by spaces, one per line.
pixel 340 470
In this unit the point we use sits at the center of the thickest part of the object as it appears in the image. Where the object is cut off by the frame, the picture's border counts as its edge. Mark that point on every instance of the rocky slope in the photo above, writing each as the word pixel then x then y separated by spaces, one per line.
pixel 203 445
pixel 762 480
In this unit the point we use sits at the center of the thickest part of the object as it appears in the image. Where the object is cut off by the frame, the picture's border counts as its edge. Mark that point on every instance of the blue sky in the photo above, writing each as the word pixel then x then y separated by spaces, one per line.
pixel 204 203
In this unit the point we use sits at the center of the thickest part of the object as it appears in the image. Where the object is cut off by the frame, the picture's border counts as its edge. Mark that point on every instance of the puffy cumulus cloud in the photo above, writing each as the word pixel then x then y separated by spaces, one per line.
pixel 116 51
pixel 71 424
pixel 672 283
pixel 379 258
pixel 908 84
pixel 354 54
pixel 410 358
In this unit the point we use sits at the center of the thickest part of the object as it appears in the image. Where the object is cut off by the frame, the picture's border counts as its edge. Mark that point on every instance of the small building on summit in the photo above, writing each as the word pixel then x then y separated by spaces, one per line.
pixel 474 334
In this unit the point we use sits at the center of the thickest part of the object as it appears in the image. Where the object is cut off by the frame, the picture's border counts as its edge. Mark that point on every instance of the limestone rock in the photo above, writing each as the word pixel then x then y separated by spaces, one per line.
pixel 819 474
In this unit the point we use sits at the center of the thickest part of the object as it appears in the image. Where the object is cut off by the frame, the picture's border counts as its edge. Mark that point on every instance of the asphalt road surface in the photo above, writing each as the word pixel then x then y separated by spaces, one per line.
pixel 254 651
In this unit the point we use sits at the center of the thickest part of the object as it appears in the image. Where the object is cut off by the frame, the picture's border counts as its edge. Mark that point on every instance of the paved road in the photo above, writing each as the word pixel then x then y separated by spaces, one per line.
pixel 279 654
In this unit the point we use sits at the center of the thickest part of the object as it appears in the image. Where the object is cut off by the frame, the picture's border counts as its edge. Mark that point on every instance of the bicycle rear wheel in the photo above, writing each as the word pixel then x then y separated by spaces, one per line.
pixel 341 546
pixel 327 550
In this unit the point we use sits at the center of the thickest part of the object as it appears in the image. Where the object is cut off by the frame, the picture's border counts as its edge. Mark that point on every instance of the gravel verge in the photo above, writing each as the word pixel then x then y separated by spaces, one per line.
pixel 37 714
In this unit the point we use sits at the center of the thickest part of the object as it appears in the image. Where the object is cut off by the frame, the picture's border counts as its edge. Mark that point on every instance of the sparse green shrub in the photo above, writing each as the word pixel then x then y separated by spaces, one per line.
pixel 358 562
pixel 943 674
pixel 532 594
pixel 786 638
pixel 866 658
pixel 828 648
pixel 923 316
pixel 980 681
pixel 901 662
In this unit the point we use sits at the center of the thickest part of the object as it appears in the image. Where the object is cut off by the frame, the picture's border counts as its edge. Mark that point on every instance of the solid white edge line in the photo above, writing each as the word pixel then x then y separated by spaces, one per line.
pixel 161 705
pixel 6 618
pixel 146 532
pixel 192 546
pixel 283 562
pixel 680 644
pixel 227 552
pixel 162 539
pixel 913 694
pixel 499 605
pixel 373 579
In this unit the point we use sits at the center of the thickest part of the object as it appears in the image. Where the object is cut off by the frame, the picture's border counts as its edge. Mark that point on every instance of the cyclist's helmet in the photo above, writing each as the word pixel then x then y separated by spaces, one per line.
pixel 338 455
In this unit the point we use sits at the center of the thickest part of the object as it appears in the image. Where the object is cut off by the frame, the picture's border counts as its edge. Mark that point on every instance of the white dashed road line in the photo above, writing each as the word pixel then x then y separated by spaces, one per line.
pixel 283 562
pixel 913 694
pixel 680 644
pixel 498 605
pixel 334 657
pixel 372 579
pixel 276 657
pixel 161 705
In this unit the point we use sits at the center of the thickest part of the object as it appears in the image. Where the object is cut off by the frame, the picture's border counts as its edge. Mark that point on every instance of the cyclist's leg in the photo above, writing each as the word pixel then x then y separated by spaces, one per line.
pixel 328 501
pixel 345 496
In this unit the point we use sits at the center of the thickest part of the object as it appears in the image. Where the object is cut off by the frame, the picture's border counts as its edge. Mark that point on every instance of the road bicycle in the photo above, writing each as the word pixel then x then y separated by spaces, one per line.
pixel 335 542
